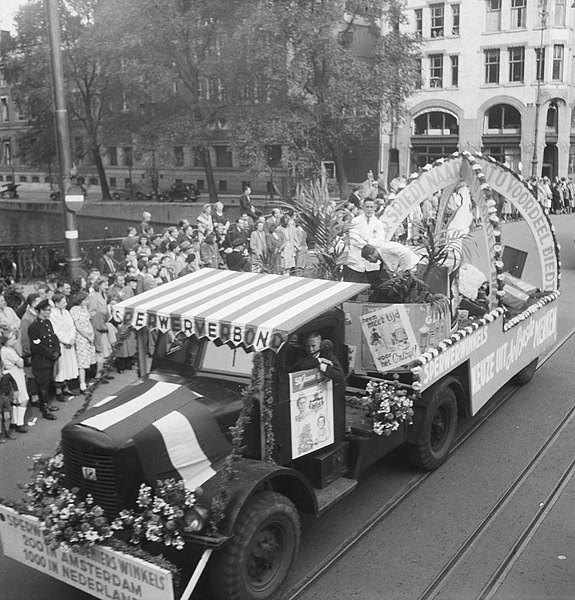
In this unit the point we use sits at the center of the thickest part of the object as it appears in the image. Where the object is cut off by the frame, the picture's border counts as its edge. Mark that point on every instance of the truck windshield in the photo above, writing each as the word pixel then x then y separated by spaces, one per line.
pixel 190 356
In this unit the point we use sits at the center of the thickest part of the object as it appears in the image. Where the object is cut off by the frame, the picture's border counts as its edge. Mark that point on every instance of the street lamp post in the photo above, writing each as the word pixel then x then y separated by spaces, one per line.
pixel 540 72
pixel 72 196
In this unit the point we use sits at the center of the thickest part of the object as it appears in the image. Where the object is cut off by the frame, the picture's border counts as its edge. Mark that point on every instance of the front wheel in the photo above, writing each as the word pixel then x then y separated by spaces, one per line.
pixel 255 562
pixel 526 374
pixel 437 430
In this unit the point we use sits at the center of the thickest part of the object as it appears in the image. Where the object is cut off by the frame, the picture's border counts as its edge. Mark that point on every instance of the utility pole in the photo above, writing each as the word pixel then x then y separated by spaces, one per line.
pixel 540 71
pixel 72 196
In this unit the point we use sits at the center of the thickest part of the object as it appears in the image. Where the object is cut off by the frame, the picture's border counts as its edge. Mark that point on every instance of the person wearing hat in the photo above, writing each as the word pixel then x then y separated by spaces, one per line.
pixel 45 351
pixel 236 260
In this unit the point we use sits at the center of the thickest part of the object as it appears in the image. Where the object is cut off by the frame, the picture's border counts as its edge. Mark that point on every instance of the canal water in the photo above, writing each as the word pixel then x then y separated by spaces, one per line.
pixel 35 227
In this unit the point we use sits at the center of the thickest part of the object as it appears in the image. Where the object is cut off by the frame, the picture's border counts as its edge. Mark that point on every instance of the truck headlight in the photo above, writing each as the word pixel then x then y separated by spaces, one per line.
pixel 196 519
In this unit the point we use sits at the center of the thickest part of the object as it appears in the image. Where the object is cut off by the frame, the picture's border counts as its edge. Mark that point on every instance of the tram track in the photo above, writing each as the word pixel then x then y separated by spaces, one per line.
pixel 495 580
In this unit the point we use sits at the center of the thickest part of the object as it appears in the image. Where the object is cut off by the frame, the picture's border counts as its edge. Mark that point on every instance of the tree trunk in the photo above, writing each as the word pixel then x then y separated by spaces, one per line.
pixel 209 171
pixel 340 173
pixel 97 158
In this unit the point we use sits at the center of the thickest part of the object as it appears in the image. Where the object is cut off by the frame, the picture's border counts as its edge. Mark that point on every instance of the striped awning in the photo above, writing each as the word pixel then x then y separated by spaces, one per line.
pixel 242 309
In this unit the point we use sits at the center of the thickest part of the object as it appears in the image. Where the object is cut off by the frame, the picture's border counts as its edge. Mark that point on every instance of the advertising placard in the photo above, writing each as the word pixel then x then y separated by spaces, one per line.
pixel 390 336
pixel 311 412
pixel 99 571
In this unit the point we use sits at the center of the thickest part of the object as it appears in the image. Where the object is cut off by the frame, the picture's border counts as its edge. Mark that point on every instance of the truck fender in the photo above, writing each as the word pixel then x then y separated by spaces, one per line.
pixel 420 407
pixel 251 476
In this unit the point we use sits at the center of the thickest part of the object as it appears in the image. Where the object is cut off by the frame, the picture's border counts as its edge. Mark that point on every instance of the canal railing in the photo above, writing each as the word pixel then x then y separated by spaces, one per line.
pixel 29 262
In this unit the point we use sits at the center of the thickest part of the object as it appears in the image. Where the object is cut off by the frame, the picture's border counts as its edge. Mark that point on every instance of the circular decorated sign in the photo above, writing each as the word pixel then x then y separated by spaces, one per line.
pixel 74 198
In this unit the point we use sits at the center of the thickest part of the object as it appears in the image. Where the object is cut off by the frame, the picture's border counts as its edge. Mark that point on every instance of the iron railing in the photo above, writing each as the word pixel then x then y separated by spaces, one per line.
pixel 29 262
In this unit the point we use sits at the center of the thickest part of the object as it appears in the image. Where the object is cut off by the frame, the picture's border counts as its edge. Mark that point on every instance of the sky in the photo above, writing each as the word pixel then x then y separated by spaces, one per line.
pixel 8 9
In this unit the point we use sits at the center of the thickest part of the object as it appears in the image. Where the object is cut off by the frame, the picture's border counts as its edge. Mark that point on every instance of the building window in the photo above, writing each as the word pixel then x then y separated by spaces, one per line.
pixel 435 123
pixel 93 181
pixel 454 70
pixel 552 120
pixel 503 119
pixel 3 82
pixel 559 18
pixel 179 156
pixel 4 108
pixel 517 63
pixel 558 52
pixel 35 179
pixel 200 184
pixel 493 15
pixel 540 63
pixel 127 182
pixel 436 71
pixel 419 21
pixel 23 178
pixel 7 151
pixel 223 156
pixel 222 185
pixel 437 20
pixel 128 156
pixel 113 154
pixel 112 182
pixel 518 14
pixel 455 19
pixel 492 61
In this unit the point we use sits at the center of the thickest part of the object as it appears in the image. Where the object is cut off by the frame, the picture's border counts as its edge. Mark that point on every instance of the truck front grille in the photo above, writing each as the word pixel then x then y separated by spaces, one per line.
pixel 103 487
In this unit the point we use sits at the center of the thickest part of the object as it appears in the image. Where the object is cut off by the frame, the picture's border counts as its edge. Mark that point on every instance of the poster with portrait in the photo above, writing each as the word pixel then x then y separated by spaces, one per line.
pixel 311 412
pixel 390 336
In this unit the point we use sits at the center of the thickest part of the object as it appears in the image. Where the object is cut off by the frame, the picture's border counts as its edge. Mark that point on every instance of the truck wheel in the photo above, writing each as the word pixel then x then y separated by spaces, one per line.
pixel 255 562
pixel 526 374
pixel 437 432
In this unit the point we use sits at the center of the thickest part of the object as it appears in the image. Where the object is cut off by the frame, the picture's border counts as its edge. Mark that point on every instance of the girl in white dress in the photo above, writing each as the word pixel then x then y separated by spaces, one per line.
pixel 66 368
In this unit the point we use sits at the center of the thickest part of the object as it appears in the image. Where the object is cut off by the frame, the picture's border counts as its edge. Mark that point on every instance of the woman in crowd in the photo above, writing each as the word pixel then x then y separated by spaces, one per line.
pixel 205 223
pixel 209 252
pixel 9 320
pixel 13 364
pixel 258 246
pixel 286 235
pixel 99 315
pixel 84 338
pixel 219 216
pixel 66 367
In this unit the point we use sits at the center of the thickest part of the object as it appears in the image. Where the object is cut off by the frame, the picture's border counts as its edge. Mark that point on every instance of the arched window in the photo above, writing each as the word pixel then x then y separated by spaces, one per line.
pixel 552 121
pixel 435 123
pixel 502 119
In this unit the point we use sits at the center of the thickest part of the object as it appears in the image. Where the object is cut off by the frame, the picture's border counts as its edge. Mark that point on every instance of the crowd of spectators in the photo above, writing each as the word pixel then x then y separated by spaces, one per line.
pixel 54 342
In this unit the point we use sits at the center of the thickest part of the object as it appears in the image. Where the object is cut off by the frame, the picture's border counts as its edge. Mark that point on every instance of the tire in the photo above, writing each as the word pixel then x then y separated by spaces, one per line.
pixel 116 196
pixel 186 198
pixel 437 431
pixel 255 562
pixel 162 198
pixel 139 196
pixel 526 374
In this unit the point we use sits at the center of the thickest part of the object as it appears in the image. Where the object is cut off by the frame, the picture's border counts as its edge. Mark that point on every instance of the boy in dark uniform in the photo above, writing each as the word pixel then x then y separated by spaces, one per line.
pixel 45 350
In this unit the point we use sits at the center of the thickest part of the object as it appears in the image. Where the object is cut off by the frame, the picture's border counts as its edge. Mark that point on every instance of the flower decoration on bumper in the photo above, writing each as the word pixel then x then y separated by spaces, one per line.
pixel 390 405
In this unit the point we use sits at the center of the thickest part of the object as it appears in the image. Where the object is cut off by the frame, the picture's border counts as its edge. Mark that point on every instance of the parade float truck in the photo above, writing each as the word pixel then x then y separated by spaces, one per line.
pixel 253 440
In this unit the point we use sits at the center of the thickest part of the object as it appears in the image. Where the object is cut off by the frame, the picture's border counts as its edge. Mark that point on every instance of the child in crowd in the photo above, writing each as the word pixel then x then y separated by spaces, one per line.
pixel 7 387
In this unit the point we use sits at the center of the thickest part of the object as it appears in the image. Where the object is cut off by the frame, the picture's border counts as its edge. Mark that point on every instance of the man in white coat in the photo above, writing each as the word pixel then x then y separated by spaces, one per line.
pixel 365 228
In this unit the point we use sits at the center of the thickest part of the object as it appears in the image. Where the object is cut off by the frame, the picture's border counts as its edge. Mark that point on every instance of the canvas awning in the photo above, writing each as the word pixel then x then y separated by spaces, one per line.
pixel 243 309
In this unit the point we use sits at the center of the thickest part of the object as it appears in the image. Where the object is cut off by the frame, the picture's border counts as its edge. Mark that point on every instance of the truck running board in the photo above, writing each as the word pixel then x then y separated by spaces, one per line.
pixel 330 495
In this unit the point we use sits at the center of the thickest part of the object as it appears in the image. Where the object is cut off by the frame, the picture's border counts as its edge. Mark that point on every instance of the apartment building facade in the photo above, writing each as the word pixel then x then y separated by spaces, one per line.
pixel 497 76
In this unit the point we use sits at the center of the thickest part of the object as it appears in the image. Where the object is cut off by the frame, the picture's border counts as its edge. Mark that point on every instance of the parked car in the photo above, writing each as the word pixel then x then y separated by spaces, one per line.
pixel 180 192
pixel 9 190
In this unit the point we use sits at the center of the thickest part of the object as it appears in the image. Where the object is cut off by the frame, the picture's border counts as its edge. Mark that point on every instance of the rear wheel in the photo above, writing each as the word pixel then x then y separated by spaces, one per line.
pixel 256 561
pixel 437 431
pixel 526 374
